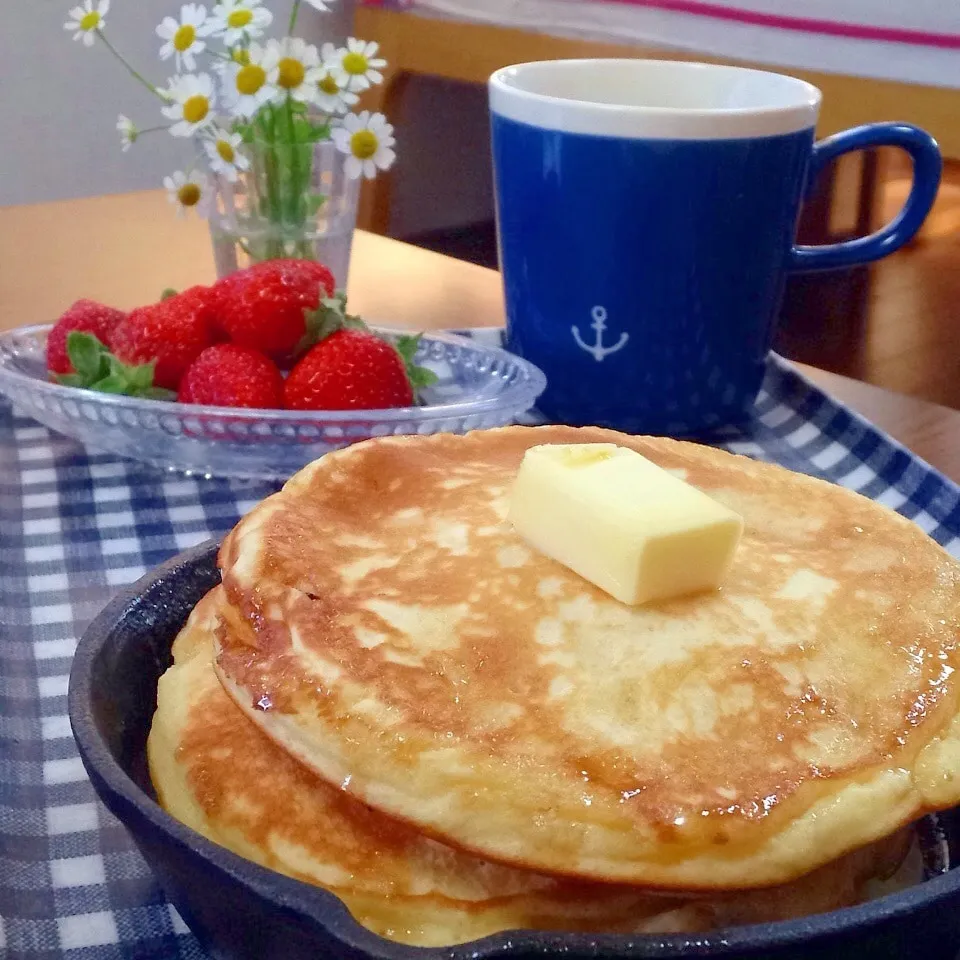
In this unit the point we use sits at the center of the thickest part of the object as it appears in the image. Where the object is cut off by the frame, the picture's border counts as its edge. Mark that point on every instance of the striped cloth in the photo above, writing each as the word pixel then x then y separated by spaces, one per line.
pixel 76 525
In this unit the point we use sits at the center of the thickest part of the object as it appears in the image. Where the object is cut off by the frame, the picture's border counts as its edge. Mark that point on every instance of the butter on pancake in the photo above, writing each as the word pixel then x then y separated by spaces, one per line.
pixel 216 772
pixel 400 638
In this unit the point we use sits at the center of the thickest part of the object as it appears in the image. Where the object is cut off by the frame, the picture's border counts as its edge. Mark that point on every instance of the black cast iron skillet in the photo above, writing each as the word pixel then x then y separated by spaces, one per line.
pixel 241 910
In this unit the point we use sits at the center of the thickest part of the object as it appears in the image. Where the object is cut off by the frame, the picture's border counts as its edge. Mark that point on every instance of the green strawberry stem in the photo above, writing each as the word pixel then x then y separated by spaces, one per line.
pixel 98 369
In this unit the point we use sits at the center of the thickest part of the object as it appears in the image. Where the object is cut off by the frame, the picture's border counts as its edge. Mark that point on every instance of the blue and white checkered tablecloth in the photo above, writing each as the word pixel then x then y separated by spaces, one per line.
pixel 77 525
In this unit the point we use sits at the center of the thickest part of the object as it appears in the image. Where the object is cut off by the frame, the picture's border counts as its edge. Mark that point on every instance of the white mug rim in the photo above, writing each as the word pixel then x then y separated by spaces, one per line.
pixel 572 115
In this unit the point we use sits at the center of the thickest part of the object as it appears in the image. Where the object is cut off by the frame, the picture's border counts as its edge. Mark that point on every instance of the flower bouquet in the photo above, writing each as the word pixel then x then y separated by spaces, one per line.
pixel 278 154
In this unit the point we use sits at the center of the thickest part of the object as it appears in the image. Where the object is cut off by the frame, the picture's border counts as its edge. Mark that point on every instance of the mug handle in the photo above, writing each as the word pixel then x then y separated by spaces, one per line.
pixel 927 167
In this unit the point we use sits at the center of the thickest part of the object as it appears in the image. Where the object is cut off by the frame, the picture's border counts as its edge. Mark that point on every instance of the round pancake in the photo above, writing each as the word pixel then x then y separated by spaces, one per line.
pixel 390 630
pixel 215 771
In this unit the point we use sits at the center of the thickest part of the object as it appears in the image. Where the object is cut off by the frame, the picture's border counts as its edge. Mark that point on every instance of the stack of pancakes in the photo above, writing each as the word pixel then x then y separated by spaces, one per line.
pixel 392 696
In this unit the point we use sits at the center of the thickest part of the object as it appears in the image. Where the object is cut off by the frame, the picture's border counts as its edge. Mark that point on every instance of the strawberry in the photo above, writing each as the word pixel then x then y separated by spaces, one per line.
pixel 173 332
pixel 263 306
pixel 349 370
pixel 87 316
pixel 226 375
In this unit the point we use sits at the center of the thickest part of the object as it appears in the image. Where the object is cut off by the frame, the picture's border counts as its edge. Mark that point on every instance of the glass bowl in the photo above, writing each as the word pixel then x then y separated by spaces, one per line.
pixel 478 386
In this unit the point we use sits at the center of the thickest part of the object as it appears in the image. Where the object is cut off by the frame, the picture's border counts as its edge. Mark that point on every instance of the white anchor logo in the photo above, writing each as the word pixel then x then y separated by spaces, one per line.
pixel 598 351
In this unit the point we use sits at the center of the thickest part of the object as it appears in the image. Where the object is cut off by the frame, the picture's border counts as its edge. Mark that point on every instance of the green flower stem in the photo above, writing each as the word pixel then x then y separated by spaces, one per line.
pixel 281 139
pixel 293 16
pixel 136 76
pixel 274 198
pixel 295 187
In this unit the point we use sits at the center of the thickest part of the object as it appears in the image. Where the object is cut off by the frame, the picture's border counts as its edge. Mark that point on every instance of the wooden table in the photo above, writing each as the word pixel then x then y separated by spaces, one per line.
pixel 126 249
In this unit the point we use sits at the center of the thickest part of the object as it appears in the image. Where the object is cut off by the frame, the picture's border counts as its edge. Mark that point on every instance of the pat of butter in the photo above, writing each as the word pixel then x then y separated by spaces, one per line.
pixel 622 522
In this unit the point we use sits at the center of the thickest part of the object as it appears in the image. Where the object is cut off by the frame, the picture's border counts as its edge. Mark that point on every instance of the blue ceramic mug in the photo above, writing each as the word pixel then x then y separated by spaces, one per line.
pixel 647 213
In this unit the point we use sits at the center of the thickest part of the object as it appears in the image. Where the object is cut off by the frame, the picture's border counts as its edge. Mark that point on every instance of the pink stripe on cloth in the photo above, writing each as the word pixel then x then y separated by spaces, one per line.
pixel 833 28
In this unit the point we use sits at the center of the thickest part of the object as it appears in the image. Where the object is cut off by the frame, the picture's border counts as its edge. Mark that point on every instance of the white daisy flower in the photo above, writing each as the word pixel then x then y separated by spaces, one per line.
pixel 87 19
pixel 246 87
pixel 192 100
pixel 368 139
pixel 189 192
pixel 239 21
pixel 330 96
pixel 320 5
pixel 183 36
pixel 293 68
pixel 128 132
pixel 225 157
pixel 224 66
pixel 356 66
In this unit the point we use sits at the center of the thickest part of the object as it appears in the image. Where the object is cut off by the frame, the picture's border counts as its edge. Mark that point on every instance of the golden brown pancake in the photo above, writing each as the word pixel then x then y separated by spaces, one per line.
pixel 392 632
pixel 215 771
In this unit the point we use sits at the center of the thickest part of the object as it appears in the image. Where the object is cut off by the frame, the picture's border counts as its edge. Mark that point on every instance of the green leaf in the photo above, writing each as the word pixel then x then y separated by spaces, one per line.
pixel 85 352
pixel 98 369
pixel 320 132
pixel 156 393
pixel 314 203
pixel 114 383
pixel 352 322
pixel 408 345
pixel 141 377
pixel 329 317
pixel 419 377
pixel 302 131
pixel 168 293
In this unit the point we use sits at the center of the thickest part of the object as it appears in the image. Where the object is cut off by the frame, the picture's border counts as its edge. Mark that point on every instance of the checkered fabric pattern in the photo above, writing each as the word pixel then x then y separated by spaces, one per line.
pixel 76 525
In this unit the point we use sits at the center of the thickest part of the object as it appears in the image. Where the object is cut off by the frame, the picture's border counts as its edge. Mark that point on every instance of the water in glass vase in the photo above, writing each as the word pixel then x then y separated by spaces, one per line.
pixel 294 200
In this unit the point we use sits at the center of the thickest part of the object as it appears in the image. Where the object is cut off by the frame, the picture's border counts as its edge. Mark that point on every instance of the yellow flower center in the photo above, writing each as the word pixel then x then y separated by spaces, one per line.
pixel 90 21
pixel 196 108
pixel 292 73
pixel 329 85
pixel 184 37
pixel 241 56
pixel 239 18
pixel 355 64
pixel 250 79
pixel 189 195
pixel 363 144
pixel 226 151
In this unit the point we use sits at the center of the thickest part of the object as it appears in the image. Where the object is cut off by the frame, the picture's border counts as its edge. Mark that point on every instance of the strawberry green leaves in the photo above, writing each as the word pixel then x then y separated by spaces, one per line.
pixel 98 369
pixel 419 377
pixel 328 318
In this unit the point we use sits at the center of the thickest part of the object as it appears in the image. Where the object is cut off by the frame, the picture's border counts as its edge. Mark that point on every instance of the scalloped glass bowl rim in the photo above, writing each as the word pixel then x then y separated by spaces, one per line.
pixel 512 396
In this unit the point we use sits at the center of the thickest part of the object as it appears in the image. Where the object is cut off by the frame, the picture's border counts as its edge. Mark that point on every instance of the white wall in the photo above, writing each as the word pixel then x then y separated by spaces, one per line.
pixel 59 100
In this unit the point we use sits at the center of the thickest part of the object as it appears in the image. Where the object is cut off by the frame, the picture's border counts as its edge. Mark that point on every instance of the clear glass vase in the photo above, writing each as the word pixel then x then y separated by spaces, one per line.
pixel 293 201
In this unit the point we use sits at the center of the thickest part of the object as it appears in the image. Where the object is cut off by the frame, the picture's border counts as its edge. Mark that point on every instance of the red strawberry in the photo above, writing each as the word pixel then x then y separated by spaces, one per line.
pixel 226 375
pixel 174 332
pixel 349 370
pixel 87 316
pixel 263 306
